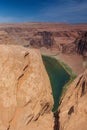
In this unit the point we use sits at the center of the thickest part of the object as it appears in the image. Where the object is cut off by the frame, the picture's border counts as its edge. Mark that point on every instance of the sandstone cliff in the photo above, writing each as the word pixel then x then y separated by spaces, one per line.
pixel 82 44
pixel 58 39
pixel 43 39
pixel 25 92
pixel 58 36
pixel 73 108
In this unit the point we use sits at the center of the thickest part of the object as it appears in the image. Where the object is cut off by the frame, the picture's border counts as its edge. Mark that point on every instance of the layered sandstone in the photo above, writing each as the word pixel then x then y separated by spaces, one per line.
pixel 66 41
pixel 82 44
pixel 25 92
pixel 73 108
pixel 58 36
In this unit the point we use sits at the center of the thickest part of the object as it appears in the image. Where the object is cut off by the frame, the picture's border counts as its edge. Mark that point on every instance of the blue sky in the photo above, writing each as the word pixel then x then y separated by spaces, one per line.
pixel 69 11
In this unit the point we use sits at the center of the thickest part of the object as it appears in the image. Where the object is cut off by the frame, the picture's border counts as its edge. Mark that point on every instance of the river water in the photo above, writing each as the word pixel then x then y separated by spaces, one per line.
pixel 58 78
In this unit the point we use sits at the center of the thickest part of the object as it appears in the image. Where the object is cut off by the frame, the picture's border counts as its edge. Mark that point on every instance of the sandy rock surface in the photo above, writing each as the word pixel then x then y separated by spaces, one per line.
pixel 73 108
pixel 25 93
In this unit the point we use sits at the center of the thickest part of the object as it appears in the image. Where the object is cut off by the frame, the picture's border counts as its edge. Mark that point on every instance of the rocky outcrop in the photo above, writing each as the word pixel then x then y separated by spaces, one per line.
pixel 67 42
pixel 73 108
pixel 25 92
pixel 82 44
pixel 45 39
pixel 59 37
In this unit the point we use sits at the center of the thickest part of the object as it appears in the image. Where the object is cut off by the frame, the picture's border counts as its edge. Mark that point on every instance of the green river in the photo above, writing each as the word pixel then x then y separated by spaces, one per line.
pixel 58 78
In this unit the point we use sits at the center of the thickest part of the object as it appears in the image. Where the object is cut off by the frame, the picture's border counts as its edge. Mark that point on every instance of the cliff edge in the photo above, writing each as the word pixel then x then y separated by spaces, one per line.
pixel 73 108
pixel 25 92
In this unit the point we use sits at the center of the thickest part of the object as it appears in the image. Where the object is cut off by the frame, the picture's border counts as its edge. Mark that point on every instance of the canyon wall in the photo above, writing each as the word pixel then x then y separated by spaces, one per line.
pixel 25 92
pixel 73 107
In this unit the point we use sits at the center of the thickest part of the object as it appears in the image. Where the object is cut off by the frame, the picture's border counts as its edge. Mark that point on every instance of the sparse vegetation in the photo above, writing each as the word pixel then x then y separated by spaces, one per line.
pixel 26 45
pixel 60 76
pixel 72 76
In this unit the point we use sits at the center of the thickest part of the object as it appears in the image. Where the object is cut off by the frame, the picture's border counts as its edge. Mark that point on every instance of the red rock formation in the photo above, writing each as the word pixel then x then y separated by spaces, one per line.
pixel 73 109
pixel 82 44
pixel 25 92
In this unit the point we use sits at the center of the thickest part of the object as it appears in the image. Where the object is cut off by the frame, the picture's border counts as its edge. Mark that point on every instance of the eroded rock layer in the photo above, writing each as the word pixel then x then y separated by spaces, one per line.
pixel 82 44
pixel 73 108
pixel 25 92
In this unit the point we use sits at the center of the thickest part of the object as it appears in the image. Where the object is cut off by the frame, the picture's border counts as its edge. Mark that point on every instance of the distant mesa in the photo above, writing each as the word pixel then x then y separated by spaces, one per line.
pixel 65 38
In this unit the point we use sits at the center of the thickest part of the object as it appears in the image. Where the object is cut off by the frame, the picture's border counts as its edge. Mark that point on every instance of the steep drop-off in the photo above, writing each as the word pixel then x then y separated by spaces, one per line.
pixel 55 38
pixel 73 107
pixel 58 36
pixel 25 93
pixel 82 44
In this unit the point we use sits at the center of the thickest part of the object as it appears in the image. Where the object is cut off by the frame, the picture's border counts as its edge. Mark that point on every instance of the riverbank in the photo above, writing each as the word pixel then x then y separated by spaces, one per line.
pixel 58 77
pixel 74 61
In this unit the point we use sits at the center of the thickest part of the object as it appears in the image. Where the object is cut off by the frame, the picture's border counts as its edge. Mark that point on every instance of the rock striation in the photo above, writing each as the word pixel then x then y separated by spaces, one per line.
pixel 25 92
pixel 73 108
pixel 43 39
pixel 82 44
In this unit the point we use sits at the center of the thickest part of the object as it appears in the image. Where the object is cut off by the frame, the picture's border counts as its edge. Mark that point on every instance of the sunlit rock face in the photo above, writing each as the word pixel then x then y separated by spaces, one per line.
pixel 25 93
pixel 73 108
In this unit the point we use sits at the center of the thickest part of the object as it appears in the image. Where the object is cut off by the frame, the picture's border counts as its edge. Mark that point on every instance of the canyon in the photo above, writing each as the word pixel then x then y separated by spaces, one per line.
pixel 26 93
pixel 26 97
pixel 73 107
pixel 66 41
